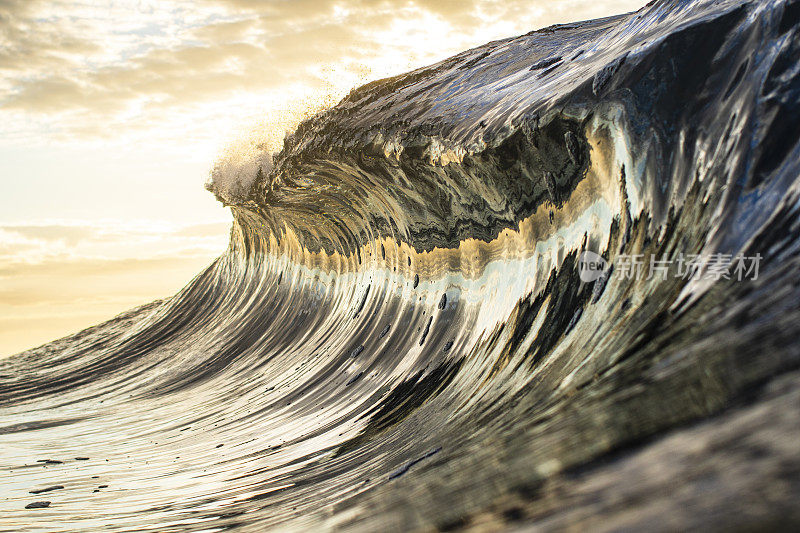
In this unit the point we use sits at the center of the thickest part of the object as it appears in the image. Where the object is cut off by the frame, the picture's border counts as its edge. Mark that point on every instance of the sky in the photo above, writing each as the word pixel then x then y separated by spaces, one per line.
pixel 113 114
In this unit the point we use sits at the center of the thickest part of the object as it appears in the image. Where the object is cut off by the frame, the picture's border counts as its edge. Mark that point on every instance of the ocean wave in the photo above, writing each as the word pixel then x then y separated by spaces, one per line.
pixel 399 334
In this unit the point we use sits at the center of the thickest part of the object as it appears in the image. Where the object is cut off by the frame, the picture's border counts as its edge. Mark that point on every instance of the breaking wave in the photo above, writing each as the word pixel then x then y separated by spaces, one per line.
pixel 399 336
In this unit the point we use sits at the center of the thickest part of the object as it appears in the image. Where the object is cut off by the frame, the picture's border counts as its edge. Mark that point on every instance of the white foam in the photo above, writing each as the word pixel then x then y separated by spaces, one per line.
pixel 237 169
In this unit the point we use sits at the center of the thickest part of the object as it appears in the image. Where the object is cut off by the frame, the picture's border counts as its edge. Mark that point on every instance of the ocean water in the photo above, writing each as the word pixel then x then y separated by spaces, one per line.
pixel 450 298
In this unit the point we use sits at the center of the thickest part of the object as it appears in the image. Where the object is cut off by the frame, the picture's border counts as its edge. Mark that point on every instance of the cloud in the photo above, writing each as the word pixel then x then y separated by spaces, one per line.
pixel 24 248
pixel 95 68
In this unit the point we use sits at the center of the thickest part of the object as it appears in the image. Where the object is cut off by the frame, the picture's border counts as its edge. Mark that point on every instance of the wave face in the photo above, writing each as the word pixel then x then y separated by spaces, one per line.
pixel 399 335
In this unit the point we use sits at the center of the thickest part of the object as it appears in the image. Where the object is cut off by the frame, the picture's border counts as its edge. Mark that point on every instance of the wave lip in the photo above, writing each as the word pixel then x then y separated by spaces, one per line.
pixel 401 310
